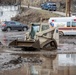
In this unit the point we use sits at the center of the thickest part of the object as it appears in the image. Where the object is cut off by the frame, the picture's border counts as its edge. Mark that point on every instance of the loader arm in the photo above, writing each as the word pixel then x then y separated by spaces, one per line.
pixel 41 33
pixel 47 36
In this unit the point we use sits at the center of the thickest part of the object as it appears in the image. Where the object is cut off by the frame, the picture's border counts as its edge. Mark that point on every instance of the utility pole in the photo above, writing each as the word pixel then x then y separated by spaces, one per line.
pixel 68 6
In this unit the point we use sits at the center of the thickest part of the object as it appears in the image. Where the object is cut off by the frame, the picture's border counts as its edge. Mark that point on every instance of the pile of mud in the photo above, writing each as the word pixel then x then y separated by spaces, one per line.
pixel 32 15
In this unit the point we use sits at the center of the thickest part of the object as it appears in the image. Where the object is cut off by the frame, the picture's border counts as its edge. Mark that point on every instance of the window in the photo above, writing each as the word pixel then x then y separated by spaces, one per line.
pixel 12 22
pixel 45 27
pixel 6 22
pixel 68 24
pixel 48 3
pixel 73 24
pixel 54 5
pixel 17 23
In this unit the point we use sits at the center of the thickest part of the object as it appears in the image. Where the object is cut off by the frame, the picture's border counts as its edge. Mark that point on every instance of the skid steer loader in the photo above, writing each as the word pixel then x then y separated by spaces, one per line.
pixel 40 36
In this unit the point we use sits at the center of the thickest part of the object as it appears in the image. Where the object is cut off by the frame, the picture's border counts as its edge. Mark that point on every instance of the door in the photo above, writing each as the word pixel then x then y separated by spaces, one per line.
pixel 46 6
pixel 18 26
pixel 13 25
pixel 73 29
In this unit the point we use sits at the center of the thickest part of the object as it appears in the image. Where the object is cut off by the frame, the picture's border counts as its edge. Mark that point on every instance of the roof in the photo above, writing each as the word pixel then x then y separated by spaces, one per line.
pixel 60 19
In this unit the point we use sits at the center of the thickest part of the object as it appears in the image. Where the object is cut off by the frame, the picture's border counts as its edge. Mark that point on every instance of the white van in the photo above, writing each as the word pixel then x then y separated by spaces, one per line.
pixel 66 25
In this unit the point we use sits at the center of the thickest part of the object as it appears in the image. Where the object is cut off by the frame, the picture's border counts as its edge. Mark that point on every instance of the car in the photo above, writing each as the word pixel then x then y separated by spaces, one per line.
pixel 49 6
pixel 13 25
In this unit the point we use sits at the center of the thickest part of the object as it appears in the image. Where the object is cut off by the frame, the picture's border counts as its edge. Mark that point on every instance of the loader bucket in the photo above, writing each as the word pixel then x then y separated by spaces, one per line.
pixel 25 44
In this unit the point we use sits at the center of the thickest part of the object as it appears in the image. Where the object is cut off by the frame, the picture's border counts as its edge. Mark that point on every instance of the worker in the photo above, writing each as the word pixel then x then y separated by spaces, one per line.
pixel 32 33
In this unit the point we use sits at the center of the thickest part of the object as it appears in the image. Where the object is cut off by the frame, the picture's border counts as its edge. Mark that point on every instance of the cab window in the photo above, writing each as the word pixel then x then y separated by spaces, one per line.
pixel 45 27
pixel 36 28
pixel 73 24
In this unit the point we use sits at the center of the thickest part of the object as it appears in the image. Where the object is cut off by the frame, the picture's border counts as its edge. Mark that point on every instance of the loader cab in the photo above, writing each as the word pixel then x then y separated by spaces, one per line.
pixel 38 27
pixel 34 29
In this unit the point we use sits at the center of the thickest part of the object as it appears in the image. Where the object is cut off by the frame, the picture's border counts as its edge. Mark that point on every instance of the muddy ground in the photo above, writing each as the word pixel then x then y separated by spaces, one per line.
pixel 16 62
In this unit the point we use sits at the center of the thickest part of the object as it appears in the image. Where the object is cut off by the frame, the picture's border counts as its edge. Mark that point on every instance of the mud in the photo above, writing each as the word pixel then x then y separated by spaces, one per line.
pixel 16 62
pixel 59 64
pixel 67 39
pixel 12 61
pixel 8 61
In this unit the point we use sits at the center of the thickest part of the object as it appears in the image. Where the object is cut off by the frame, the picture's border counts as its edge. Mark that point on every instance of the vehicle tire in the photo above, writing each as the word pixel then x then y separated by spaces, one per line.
pixel 8 29
pixel 42 8
pixel 19 30
pixel 61 33
pixel 24 29
pixel 54 9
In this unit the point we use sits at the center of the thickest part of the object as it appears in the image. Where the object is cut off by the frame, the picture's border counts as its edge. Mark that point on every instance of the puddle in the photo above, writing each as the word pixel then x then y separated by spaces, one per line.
pixel 9 61
pixel 17 62
pixel 6 39
pixel 30 64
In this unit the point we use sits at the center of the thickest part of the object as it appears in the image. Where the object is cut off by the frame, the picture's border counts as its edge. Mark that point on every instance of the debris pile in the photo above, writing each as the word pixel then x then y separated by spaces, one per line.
pixel 31 15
